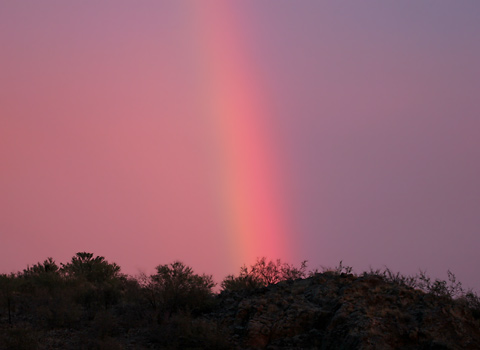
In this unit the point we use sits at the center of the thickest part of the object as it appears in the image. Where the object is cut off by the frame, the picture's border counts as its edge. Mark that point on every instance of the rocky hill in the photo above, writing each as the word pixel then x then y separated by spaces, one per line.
pixel 342 311
pixel 96 308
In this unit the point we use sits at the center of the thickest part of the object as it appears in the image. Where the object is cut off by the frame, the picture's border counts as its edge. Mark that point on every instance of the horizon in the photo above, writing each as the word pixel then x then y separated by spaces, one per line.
pixel 305 271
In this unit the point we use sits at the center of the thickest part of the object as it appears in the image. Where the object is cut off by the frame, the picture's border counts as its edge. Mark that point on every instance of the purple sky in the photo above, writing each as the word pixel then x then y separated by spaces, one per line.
pixel 373 113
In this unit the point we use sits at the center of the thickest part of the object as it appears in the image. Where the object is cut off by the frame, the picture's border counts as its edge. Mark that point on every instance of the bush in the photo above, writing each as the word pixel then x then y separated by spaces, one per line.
pixel 95 270
pixel 263 273
pixel 242 282
pixel 96 281
pixel 337 270
pixel 451 289
pixel 42 278
pixel 176 287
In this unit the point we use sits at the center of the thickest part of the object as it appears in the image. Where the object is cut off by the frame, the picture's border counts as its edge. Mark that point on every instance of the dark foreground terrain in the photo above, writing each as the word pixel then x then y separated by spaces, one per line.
pixel 331 311
pixel 88 304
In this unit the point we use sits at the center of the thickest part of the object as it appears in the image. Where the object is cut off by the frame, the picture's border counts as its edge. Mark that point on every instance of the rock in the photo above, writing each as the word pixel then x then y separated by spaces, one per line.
pixel 331 311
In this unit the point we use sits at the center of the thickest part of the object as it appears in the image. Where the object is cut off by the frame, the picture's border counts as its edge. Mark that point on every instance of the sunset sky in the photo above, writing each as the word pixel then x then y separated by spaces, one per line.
pixel 215 132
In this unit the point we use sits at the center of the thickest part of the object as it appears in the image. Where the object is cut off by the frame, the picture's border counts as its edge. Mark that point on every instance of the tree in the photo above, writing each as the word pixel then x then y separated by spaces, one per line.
pixel 95 270
pixel 176 287
pixel 42 275
pixel 48 266
pixel 98 281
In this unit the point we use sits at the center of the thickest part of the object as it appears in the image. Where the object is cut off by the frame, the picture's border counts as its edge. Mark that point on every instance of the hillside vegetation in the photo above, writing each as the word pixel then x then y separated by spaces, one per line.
pixel 88 303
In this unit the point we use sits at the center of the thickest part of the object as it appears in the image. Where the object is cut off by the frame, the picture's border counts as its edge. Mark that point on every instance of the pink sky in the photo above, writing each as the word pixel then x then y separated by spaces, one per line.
pixel 358 134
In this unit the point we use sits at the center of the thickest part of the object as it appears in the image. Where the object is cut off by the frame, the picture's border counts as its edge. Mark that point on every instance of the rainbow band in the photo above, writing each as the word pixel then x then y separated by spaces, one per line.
pixel 249 190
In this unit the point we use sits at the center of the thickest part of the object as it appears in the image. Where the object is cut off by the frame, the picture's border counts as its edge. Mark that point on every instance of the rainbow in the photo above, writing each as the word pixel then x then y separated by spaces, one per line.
pixel 249 193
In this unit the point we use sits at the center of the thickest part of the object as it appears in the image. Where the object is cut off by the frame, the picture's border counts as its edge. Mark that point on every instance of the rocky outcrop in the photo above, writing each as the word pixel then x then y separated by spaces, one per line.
pixel 332 311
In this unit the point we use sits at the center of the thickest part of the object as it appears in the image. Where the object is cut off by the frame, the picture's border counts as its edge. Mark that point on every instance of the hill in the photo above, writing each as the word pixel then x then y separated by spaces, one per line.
pixel 89 304
pixel 343 311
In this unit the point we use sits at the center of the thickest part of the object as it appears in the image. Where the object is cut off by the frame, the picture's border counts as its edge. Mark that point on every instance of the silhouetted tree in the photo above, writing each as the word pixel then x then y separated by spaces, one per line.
pixel 42 275
pixel 176 286
pixel 84 266
pixel 48 266
pixel 98 281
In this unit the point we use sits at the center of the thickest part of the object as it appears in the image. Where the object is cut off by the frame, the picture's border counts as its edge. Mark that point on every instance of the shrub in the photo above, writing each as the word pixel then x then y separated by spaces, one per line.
pixel 337 270
pixel 85 266
pixel 49 266
pixel 41 280
pixel 176 287
pixel 96 281
pixel 242 282
pixel 263 273
pixel 451 289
